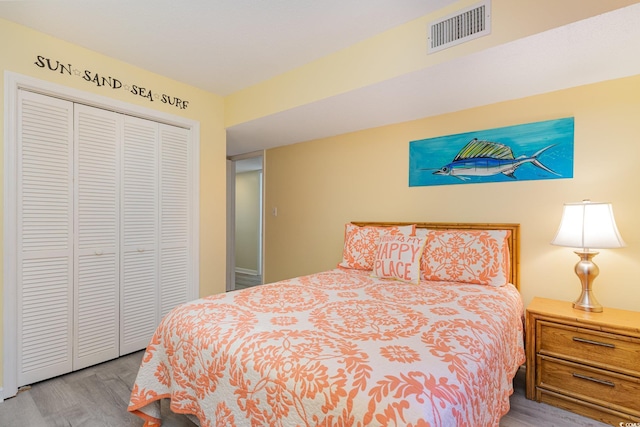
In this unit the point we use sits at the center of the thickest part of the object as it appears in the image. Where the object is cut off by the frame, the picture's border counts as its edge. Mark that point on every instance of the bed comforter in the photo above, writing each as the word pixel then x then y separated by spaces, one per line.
pixel 338 348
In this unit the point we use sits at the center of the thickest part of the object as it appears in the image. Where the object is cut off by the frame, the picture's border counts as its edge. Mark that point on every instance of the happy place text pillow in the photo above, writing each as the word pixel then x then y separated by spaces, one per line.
pixel 360 244
pixel 398 257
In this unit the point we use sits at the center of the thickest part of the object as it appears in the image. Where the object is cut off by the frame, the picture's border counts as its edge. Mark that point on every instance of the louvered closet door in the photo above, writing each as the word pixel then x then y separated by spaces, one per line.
pixel 175 200
pixel 139 275
pixel 97 202
pixel 45 243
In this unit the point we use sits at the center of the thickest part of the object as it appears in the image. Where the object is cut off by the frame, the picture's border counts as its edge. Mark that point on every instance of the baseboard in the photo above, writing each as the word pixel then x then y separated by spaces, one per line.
pixel 246 271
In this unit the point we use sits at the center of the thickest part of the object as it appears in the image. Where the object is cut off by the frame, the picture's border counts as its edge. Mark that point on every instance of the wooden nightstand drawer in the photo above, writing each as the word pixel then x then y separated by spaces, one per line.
pixel 616 391
pixel 599 349
pixel 584 362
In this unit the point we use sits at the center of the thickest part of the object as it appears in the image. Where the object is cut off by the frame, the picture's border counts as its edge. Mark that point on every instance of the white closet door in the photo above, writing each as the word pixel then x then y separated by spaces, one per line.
pixel 175 227
pixel 44 237
pixel 97 206
pixel 139 257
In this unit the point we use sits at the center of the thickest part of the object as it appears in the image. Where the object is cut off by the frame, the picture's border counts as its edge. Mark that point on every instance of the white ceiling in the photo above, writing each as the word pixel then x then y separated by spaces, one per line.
pixel 218 45
pixel 226 45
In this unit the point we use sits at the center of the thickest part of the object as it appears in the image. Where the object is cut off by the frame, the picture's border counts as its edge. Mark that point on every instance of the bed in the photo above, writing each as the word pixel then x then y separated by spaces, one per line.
pixel 419 325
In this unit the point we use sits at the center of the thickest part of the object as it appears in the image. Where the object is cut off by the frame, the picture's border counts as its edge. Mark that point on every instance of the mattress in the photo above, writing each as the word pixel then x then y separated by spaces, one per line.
pixel 337 348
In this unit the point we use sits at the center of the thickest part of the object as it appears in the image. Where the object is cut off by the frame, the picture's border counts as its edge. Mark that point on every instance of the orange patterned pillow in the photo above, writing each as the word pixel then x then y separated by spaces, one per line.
pixel 398 257
pixel 469 256
pixel 360 244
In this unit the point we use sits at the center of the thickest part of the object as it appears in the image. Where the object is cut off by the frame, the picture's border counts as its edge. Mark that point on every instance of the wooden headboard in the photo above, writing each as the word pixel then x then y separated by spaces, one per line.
pixel 514 237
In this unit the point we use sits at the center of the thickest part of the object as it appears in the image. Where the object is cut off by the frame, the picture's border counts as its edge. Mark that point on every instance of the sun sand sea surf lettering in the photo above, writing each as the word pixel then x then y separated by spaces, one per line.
pixel 398 257
pixel 107 81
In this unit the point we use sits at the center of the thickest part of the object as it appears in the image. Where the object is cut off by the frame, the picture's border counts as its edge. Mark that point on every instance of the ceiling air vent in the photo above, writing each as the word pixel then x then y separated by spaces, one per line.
pixel 460 27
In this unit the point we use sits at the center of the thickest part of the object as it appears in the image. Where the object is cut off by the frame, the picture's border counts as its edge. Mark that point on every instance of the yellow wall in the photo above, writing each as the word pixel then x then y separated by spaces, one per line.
pixel 318 186
pixel 400 51
pixel 19 50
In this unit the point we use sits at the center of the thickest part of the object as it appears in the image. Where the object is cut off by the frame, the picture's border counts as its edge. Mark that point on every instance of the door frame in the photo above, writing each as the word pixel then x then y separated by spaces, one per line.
pixel 231 216
pixel 13 83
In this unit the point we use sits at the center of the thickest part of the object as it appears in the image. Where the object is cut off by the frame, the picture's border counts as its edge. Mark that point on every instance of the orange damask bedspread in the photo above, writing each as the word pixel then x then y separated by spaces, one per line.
pixel 338 348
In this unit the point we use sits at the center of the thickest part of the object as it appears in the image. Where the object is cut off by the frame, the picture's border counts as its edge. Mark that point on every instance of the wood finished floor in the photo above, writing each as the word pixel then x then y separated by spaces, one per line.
pixel 244 280
pixel 98 397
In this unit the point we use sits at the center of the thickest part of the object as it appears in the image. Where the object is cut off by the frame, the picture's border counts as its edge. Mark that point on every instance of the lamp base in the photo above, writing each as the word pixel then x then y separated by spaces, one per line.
pixel 587 302
pixel 587 271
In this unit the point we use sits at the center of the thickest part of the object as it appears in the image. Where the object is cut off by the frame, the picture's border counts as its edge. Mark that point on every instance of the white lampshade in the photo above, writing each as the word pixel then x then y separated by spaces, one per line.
pixel 588 225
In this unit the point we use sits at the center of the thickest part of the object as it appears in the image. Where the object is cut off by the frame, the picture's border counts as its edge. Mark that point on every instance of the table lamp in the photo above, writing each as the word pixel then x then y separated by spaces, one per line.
pixel 588 225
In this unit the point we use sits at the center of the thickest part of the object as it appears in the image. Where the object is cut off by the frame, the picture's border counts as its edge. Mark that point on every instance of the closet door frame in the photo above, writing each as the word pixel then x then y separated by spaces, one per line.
pixel 15 82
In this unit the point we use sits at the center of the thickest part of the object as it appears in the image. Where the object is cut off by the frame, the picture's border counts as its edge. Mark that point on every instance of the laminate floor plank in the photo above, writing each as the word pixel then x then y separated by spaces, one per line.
pixel 513 420
pixel 81 417
pixel 120 389
pixel 98 397
pixel 104 401
pixel 244 281
pixel 53 396
pixel 21 410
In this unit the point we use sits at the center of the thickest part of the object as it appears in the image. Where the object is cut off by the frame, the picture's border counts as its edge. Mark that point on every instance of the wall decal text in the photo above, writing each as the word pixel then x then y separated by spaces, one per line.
pixel 101 80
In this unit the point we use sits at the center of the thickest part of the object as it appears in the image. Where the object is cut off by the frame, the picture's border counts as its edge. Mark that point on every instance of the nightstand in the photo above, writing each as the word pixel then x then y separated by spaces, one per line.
pixel 588 363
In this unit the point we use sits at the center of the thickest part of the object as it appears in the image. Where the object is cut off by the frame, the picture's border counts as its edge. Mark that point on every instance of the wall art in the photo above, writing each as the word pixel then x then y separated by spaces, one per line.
pixel 532 151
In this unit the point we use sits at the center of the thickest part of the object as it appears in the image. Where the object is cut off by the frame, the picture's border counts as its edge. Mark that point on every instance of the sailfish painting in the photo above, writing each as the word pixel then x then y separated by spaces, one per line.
pixel 486 158
pixel 544 151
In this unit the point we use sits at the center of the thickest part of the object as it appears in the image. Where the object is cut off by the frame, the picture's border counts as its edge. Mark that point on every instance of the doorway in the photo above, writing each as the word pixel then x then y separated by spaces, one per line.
pixel 245 221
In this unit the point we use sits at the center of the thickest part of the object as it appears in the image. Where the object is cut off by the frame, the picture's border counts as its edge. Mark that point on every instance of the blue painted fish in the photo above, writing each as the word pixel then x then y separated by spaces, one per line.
pixel 486 158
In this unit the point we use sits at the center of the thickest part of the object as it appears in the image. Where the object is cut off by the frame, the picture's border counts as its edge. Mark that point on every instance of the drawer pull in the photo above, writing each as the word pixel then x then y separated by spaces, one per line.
pixel 595 380
pixel 602 344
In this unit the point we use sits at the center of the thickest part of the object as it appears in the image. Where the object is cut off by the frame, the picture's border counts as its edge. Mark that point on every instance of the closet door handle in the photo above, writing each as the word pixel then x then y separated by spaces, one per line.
pixel 99 252
pixel 601 344
pixel 140 249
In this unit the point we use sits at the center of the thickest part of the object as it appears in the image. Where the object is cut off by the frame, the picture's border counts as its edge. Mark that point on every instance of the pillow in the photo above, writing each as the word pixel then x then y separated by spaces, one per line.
pixel 398 257
pixel 468 256
pixel 360 244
